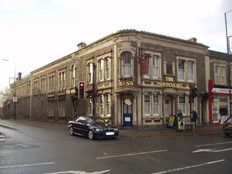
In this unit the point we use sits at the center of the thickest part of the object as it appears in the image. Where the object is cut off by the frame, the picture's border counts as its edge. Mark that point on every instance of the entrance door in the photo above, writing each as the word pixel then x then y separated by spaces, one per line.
pixel 168 105
pixel 127 112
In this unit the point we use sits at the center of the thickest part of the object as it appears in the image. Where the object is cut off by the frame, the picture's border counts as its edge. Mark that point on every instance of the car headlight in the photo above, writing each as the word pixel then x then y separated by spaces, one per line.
pixel 115 129
pixel 98 129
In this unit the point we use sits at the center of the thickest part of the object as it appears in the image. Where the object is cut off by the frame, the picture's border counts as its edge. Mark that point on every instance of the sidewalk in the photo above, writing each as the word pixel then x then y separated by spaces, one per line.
pixel 205 130
pixel 161 132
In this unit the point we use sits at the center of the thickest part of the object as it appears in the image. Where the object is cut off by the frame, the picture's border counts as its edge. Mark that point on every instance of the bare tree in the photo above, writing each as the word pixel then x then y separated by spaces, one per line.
pixel 4 95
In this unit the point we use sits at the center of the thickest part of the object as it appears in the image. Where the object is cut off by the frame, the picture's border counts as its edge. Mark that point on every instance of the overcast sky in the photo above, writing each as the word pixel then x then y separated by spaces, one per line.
pixel 34 33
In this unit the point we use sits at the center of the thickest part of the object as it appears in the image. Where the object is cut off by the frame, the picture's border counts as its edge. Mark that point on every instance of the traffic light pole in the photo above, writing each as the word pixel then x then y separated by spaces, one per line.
pixel 190 100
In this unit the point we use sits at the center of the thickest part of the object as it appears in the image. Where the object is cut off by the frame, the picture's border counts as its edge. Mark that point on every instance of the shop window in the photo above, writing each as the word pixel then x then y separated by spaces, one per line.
pixel 126 64
pixel 151 105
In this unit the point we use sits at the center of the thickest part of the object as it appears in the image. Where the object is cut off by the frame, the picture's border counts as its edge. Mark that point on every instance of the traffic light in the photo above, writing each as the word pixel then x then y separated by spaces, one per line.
pixel 194 92
pixel 81 89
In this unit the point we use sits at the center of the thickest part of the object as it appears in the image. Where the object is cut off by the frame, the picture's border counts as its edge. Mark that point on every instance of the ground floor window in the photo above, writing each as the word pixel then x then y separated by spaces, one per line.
pixel 220 107
pixel 51 109
pixel 105 105
pixel 152 104
pixel 61 109
pixel 90 106
pixel 182 104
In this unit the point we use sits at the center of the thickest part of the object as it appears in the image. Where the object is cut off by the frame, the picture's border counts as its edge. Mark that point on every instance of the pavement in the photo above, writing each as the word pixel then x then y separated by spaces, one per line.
pixel 164 132
pixel 154 132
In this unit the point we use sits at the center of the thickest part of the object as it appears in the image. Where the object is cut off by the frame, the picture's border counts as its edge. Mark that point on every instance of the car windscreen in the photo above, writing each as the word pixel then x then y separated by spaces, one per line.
pixel 98 121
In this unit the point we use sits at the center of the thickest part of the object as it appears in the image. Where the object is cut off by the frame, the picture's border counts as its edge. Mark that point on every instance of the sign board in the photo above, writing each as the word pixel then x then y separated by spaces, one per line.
pixel 171 121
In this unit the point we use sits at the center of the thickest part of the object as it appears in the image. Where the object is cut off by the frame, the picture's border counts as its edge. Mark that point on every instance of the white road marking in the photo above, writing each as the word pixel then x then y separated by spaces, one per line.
pixel 79 172
pixel 189 167
pixel 213 144
pixel 130 154
pixel 211 150
pixel 26 165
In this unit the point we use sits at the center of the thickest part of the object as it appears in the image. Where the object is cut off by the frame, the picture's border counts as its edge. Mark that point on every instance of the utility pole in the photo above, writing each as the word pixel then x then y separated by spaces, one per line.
pixel 229 62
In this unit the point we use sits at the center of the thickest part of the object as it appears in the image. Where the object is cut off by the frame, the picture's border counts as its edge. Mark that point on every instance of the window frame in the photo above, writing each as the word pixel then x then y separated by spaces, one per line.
pixel 126 68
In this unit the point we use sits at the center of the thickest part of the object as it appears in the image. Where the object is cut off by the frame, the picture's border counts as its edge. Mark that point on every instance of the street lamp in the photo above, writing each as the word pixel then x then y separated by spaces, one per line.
pixel 14 91
pixel 228 52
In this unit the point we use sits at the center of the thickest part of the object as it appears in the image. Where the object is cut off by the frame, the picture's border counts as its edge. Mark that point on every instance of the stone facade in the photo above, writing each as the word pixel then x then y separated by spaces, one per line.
pixel 115 89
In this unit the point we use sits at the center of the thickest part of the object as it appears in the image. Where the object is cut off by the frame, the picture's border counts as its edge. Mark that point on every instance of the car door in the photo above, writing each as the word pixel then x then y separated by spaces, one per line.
pixel 78 126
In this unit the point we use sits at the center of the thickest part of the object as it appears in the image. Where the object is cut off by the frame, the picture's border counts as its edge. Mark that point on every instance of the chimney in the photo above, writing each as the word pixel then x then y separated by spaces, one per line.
pixel 81 45
pixel 193 40
pixel 19 76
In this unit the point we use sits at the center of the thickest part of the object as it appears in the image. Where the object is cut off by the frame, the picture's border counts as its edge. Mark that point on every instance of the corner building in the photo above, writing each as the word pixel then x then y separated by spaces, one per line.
pixel 132 78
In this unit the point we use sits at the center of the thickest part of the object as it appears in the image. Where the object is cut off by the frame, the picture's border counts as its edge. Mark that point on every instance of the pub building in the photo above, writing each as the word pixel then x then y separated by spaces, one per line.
pixel 130 78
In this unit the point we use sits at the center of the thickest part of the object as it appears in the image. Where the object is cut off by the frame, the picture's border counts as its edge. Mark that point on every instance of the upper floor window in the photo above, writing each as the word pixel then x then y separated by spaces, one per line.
pixel 220 74
pixel 90 73
pixel 101 69
pixel 186 70
pixel 126 64
pixel 108 68
pixel 73 76
pixel 154 71
pixel 43 85
pixel 62 79
pixel 181 70
pixel 51 86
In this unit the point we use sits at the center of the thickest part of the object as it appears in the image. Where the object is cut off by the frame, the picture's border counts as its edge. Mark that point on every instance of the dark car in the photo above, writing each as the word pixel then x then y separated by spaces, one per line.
pixel 92 127
pixel 227 127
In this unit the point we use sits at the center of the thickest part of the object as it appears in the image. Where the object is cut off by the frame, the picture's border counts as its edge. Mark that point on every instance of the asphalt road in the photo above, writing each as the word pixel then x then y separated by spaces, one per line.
pixel 41 148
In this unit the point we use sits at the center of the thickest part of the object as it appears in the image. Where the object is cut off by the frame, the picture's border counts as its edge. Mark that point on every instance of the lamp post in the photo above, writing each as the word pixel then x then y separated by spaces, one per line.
pixel 228 37
pixel 14 91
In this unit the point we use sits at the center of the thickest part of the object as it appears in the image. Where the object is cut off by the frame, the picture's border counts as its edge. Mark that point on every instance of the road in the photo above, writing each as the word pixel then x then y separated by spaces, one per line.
pixel 42 148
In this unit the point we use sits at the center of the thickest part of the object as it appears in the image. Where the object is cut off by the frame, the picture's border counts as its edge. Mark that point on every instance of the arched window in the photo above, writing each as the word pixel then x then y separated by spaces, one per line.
pixel 126 64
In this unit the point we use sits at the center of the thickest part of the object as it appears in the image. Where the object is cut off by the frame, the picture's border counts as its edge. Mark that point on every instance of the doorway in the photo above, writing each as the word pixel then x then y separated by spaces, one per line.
pixel 127 112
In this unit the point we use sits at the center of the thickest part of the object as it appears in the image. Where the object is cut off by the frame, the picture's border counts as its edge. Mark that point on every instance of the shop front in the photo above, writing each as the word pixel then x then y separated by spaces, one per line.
pixel 219 103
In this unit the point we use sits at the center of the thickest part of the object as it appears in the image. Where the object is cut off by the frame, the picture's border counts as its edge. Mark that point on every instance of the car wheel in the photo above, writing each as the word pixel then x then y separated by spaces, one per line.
pixel 91 135
pixel 71 131
pixel 227 134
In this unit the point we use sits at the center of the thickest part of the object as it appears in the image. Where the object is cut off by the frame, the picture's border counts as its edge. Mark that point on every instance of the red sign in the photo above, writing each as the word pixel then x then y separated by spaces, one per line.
pixel 144 62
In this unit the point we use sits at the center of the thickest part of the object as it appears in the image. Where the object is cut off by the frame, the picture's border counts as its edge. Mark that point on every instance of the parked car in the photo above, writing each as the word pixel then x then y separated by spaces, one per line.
pixel 227 127
pixel 92 127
